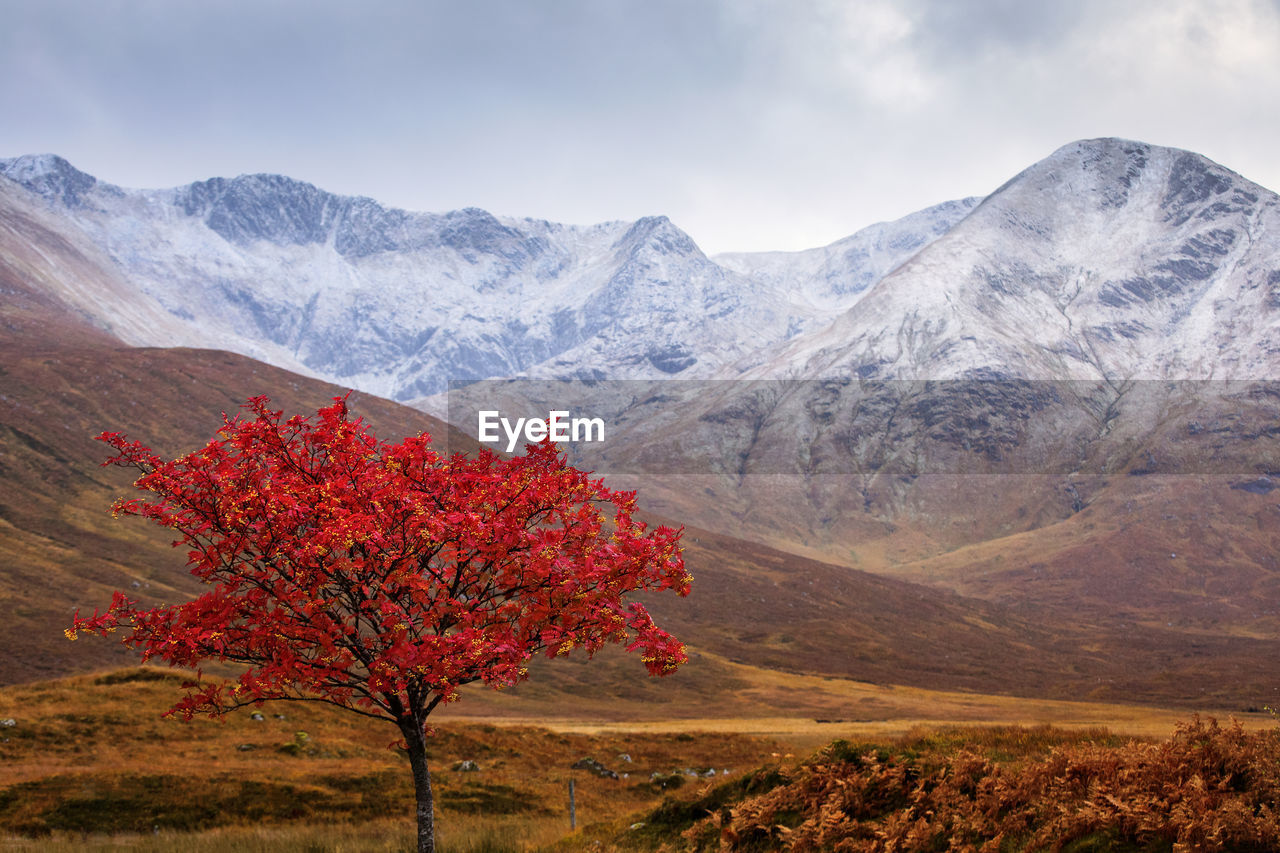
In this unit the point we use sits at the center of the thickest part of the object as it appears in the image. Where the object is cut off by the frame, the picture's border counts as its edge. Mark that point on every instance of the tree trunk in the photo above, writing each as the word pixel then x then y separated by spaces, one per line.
pixel 417 749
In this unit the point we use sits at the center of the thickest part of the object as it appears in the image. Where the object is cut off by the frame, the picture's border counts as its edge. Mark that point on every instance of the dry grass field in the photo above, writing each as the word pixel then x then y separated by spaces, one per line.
pixel 90 764
pixel 804 711
pixel 89 761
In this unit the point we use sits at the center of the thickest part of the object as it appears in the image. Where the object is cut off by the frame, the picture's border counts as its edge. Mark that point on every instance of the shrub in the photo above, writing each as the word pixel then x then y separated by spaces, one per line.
pixel 1206 788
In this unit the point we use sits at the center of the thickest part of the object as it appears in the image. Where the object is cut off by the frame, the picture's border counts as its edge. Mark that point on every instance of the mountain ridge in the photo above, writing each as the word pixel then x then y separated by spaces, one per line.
pixel 278 269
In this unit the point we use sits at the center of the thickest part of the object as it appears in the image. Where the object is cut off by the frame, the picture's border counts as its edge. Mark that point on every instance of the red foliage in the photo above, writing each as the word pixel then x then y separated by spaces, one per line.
pixel 382 577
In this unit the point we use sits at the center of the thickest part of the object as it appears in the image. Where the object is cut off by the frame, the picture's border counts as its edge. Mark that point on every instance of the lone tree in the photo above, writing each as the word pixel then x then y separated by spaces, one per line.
pixel 380 577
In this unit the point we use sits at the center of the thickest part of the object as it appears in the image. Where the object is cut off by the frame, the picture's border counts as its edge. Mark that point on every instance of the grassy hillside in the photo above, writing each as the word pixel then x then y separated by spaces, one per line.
pixel 62 548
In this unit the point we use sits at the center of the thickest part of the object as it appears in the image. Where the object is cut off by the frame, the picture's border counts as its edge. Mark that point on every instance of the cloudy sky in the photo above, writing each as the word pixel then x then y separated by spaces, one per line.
pixel 753 124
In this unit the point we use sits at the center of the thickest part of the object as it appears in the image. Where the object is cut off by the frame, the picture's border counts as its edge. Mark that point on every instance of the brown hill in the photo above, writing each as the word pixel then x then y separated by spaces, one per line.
pixel 751 603
pixel 62 549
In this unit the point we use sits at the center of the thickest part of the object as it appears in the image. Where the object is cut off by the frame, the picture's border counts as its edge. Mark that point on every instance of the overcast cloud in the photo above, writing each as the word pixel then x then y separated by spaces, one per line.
pixel 753 124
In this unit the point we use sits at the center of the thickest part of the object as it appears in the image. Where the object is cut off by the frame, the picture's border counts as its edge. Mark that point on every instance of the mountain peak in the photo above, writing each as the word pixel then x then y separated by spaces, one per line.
pixel 660 233
pixel 268 207
pixel 50 177
pixel 29 165
pixel 1109 172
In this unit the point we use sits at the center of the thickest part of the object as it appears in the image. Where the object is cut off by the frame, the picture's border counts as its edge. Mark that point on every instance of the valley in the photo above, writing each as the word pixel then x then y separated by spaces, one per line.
pixel 1006 461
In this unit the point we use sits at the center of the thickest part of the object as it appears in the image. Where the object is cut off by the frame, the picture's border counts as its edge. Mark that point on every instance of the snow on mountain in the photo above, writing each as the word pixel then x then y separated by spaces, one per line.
pixel 398 303
pixel 846 268
pixel 52 277
pixel 1106 292
pixel 1108 259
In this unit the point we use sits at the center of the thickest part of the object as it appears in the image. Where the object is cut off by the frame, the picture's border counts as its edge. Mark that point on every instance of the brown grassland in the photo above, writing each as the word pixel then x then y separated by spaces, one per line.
pixel 90 764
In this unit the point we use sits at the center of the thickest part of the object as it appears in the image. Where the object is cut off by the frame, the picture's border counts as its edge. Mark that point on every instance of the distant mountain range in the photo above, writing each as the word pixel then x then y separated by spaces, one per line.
pixel 1107 259
pixel 62 381
pixel 397 303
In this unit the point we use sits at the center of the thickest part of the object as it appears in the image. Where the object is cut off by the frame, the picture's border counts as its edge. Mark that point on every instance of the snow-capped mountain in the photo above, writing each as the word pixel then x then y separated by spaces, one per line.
pixel 828 276
pixel 1108 259
pixel 1041 472
pixel 399 303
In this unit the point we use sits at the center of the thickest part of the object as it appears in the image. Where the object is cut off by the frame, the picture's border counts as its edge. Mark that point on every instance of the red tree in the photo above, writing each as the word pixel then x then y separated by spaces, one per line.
pixel 382 577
